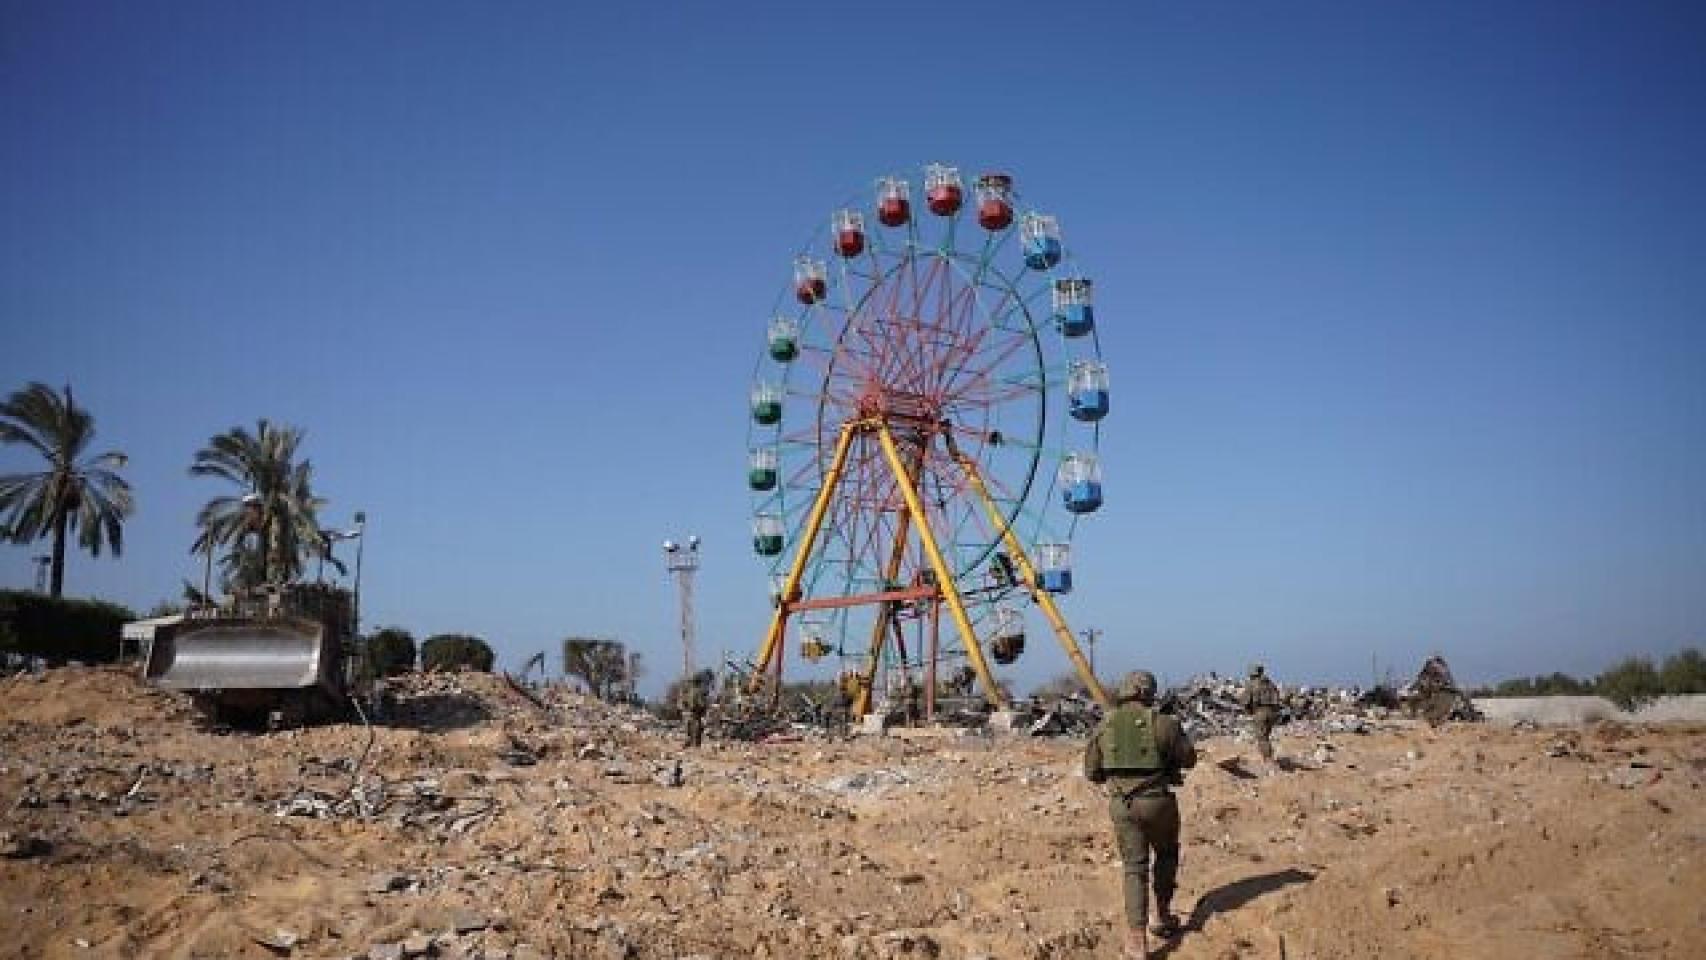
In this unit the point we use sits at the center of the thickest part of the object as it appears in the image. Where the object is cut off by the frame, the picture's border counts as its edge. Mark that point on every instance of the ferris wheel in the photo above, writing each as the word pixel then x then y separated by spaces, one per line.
pixel 924 425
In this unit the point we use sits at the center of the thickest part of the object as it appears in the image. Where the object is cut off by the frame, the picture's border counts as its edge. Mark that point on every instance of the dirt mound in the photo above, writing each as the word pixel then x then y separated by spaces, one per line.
pixel 566 828
pixel 98 696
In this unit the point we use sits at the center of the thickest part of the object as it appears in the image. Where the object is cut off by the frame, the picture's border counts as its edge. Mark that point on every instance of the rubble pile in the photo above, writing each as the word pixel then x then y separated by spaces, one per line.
pixel 1209 706
pixel 445 701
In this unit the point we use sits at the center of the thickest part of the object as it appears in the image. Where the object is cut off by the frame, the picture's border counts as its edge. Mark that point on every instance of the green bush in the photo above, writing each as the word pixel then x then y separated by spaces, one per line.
pixel 456 651
pixel 1551 685
pixel 1630 684
pixel 1684 672
pixel 60 629
pixel 390 652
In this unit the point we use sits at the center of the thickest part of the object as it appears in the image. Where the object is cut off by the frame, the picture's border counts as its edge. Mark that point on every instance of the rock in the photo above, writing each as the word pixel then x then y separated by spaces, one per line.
pixel 526 951
pixel 519 758
pixel 419 945
pixel 385 951
pixel 22 846
pixel 463 920
pixel 614 945
pixel 909 944
pixel 386 883
pixel 280 940
pixel 1631 776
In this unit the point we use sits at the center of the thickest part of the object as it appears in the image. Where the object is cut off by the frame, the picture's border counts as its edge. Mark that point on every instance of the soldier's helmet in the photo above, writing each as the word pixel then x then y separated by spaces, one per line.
pixel 1255 670
pixel 1137 685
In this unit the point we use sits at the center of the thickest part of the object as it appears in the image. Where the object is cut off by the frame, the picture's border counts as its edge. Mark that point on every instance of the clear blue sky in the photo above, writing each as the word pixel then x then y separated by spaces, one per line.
pixel 1404 303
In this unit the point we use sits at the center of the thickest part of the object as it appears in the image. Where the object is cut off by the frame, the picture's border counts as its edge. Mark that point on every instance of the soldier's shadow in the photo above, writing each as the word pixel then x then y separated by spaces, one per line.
pixel 1229 897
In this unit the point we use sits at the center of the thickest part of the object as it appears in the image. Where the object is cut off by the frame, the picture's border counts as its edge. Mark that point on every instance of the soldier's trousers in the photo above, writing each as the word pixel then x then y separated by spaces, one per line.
pixel 1262 723
pixel 1436 709
pixel 695 731
pixel 1145 825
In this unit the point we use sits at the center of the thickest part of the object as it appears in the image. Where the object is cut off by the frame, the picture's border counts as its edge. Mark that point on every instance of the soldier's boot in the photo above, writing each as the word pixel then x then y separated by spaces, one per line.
pixel 1166 925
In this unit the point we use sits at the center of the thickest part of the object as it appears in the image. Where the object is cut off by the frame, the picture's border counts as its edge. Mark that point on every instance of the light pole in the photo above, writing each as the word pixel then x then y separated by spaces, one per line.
pixel 683 561
pixel 1090 635
pixel 360 533
pixel 329 539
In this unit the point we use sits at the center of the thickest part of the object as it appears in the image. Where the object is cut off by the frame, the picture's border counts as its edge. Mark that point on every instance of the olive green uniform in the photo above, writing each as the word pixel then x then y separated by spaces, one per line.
pixel 693 708
pixel 1140 754
pixel 1262 699
pixel 1435 692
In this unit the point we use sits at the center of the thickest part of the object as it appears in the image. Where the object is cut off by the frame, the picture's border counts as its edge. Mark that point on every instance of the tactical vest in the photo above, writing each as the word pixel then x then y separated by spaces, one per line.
pixel 1129 742
pixel 1263 693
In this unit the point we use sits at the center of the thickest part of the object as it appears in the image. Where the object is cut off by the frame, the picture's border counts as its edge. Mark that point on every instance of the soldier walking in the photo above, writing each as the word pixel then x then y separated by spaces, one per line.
pixel 1262 699
pixel 1141 755
pixel 694 703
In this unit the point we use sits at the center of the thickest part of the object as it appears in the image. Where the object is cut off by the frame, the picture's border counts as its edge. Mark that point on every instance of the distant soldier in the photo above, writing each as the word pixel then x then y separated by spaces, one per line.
pixel 1436 696
pixel 1141 754
pixel 694 703
pixel 913 703
pixel 843 715
pixel 1262 699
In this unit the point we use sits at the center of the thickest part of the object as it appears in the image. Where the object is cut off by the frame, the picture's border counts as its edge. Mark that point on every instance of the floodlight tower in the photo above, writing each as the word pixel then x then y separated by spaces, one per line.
pixel 683 561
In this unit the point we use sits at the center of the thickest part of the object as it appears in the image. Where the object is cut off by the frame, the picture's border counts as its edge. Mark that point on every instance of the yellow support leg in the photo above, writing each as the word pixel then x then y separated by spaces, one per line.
pixel 1043 598
pixel 790 586
pixel 862 705
pixel 944 573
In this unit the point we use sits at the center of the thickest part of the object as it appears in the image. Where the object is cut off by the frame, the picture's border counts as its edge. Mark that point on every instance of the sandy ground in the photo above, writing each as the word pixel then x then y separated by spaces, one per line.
pixel 1469 842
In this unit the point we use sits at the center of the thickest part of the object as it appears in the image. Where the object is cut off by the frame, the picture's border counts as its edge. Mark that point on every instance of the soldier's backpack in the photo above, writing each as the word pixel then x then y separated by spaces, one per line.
pixel 1130 743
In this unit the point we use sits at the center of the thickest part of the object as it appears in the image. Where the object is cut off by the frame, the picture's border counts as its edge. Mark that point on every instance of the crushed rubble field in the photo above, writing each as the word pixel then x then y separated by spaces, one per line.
pixel 486 823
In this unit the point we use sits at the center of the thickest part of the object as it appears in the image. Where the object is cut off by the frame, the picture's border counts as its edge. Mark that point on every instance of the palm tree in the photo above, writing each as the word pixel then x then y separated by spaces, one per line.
pixel 73 494
pixel 273 523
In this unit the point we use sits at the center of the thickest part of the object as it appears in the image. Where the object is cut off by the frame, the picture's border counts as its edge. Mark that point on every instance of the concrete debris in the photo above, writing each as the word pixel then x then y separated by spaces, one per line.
pixel 386 883
pixel 1208 706
pixel 1632 775
pixel 465 921
pixel 279 940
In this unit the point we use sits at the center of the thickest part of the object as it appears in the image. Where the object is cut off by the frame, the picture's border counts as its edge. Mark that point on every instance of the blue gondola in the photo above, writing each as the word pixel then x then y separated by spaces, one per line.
pixel 1087 391
pixel 1074 313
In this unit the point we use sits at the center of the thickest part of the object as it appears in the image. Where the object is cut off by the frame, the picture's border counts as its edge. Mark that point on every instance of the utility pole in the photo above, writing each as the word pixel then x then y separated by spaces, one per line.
pixel 683 561
pixel 1090 636
pixel 42 563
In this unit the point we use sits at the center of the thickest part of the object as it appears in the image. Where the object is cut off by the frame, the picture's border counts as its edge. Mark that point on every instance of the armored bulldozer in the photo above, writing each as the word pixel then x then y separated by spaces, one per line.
pixel 279 656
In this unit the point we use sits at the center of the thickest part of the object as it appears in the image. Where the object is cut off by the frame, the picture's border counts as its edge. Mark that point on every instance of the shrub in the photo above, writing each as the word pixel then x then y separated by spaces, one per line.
pixel 60 629
pixel 456 651
pixel 1684 672
pixel 1551 685
pixel 1629 684
pixel 390 652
